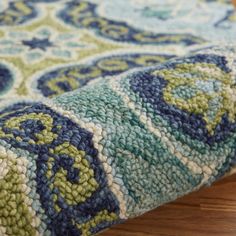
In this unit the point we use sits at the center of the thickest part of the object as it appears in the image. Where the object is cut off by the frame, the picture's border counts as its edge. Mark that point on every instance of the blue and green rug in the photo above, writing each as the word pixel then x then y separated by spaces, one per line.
pixel 109 109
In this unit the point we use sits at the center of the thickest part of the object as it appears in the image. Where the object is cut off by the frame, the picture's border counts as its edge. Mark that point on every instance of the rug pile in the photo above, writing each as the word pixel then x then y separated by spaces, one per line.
pixel 109 109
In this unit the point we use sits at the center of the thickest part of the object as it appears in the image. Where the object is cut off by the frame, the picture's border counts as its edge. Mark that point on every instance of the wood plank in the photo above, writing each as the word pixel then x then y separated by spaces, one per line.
pixel 234 2
pixel 210 211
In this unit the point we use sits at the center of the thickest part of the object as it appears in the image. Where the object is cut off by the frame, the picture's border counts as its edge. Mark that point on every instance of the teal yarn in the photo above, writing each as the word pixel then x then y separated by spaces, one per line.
pixel 108 111
pixel 118 147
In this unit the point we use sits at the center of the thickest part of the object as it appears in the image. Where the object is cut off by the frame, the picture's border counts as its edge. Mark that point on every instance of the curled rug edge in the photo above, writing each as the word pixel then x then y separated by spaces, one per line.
pixel 118 147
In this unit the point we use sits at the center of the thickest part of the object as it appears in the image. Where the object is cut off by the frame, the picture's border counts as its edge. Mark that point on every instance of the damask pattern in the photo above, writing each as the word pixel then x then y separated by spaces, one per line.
pixel 108 112
pixel 83 14
pixel 62 162
pixel 43 43
pixel 70 78
pixel 17 12
pixel 199 92
pixel 160 130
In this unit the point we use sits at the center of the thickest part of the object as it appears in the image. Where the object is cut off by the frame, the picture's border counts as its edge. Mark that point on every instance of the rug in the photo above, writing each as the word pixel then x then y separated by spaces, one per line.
pixel 109 109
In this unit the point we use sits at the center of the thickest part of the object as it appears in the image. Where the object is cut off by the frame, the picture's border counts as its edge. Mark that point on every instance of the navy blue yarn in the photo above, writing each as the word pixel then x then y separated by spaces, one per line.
pixel 23 18
pixel 129 37
pixel 19 19
pixel 65 86
pixel 16 106
pixel 150 87
pixel 6 79
pixel 102 198
pixel 36 43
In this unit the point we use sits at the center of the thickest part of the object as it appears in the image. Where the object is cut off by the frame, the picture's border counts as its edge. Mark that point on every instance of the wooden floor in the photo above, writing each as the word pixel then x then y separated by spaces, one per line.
pixel 210 211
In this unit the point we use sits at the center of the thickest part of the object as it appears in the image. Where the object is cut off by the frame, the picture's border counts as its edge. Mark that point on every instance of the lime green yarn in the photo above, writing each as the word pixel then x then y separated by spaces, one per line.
pixel 15 213
pixel 187 76
pixel 44 137
pixel 73 193
pixel 99 218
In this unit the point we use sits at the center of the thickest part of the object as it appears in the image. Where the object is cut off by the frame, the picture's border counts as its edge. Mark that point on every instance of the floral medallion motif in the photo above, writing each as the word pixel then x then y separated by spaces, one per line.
pixel 41 44
pixel 203 89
